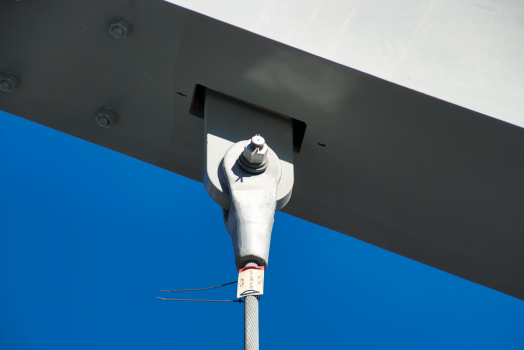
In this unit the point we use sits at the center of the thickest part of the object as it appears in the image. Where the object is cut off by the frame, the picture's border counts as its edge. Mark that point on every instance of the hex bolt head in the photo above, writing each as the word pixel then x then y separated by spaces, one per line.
pixel 118 32
pixel 6 86
pixel 8 81
pixel 120 27
pixel 254 158
pixel 106 117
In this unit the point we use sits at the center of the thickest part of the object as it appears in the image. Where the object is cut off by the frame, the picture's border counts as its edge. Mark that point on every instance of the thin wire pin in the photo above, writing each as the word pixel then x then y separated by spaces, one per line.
pixel 192 290
pixel 218 301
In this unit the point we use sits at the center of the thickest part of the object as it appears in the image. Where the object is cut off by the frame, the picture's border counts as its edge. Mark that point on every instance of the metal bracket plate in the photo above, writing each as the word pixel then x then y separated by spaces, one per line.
pixel 228 121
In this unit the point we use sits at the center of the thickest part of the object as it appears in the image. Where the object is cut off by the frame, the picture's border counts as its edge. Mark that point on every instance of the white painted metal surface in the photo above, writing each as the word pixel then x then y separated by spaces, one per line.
pixel 470 53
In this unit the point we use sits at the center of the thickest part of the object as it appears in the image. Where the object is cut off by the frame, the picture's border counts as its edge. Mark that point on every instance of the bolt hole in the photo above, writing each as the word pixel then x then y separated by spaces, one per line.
pixel 321 144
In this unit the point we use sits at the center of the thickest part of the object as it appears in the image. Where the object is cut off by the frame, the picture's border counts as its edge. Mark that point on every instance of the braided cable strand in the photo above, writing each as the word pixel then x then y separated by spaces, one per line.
pixel 251 319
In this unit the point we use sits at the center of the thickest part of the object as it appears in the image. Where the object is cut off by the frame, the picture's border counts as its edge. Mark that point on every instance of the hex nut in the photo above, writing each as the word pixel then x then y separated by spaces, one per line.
pixel 106 117
pixel 8 81
pixel 255 151
pixel 254 158
pixel 120 27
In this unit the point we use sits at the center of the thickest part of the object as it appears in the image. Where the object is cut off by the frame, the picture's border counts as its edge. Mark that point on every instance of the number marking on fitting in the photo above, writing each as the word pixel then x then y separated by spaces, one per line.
pixel 250 281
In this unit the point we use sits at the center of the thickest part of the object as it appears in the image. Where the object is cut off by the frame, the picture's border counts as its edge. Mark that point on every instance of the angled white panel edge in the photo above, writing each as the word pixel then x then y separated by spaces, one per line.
pixel 466 53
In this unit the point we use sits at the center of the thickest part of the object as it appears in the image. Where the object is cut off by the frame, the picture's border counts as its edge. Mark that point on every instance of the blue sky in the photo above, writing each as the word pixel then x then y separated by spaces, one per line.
pixel 88 237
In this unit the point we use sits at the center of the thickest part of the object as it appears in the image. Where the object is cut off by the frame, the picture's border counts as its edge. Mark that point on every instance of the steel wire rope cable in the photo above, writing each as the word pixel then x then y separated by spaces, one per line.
pixel 251 319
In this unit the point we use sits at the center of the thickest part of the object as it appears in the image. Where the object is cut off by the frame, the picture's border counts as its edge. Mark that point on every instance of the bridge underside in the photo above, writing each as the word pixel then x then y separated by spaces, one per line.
pixel 407 172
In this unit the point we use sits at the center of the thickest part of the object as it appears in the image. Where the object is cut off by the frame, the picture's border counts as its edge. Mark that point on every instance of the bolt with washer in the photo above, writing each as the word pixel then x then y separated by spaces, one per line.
pixel 8 81
pixel 254 158
pixel 106 117
pixel 120 27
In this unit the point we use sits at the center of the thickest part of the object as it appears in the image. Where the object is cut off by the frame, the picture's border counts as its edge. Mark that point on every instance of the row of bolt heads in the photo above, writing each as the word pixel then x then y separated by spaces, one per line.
pixel 105 117
pixel 119 28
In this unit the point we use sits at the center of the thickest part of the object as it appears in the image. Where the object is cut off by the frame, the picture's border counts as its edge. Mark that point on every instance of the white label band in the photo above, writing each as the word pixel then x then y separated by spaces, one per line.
pixel 250 281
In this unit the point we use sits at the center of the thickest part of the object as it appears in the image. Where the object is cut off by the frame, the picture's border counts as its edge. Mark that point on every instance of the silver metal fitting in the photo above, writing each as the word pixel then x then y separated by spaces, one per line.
pixel 8 81
pixel 120 27
pixel 106 117
pixel 249 219
pixel 254 158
